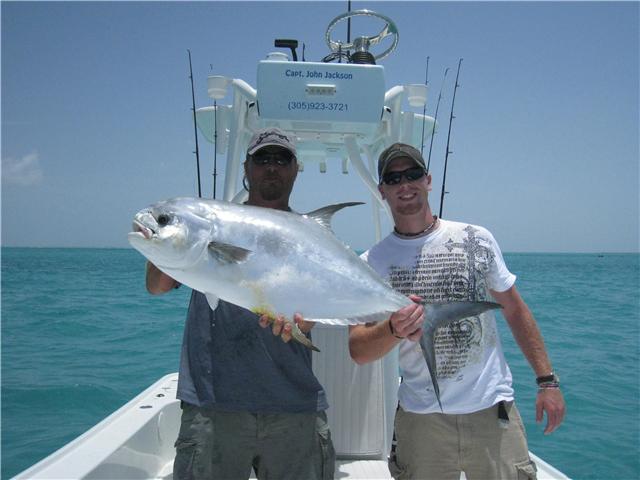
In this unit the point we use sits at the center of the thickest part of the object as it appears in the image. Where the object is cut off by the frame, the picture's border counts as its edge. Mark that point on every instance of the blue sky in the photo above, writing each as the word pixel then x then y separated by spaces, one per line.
pixel 96 119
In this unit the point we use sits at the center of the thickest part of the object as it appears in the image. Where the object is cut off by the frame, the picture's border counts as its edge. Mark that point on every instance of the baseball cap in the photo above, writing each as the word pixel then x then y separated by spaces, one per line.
pixel 398 150
pixel 271 136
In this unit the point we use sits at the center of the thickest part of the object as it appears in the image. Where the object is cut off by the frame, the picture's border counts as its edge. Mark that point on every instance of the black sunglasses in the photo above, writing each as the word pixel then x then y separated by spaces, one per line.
pixel 411 174
pixel 281 158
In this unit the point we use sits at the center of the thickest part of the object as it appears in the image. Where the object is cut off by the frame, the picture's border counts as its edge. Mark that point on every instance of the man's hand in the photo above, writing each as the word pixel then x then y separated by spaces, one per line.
pixel 158 282
pixel 280 327
pixel 551 401
pixel 372 341
pixel 407 322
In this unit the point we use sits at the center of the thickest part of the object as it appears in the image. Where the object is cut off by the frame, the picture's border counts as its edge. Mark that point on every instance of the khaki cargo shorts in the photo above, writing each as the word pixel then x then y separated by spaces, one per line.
pixel 440 446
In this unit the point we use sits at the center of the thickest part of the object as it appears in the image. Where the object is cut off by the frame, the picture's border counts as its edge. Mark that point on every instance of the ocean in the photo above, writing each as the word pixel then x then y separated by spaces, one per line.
pixel 81 336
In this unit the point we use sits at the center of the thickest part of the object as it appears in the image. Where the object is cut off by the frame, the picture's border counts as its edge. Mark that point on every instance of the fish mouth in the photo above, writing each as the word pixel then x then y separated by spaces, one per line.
pixel 141 230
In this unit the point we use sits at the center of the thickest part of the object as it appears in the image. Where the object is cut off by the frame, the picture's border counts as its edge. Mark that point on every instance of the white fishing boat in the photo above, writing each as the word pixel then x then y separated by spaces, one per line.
pixel 338 112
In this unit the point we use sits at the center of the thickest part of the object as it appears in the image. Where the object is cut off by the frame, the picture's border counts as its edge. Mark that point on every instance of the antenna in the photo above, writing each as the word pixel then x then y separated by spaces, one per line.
pixel 349 22
pixel 348 31
pixel 446 158
pixel 195 129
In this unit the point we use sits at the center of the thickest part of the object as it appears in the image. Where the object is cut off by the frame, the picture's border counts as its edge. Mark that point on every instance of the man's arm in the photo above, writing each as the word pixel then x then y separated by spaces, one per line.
pixel 374 340
pixel 157 281
pixel 526 333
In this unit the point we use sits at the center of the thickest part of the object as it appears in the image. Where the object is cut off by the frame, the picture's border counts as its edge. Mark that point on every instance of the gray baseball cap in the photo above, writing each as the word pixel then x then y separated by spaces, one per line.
pixel 398 150
pixel 271 136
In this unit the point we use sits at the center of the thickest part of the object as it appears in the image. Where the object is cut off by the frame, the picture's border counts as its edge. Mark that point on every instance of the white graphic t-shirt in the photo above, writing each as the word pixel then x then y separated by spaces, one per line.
pixel 457 262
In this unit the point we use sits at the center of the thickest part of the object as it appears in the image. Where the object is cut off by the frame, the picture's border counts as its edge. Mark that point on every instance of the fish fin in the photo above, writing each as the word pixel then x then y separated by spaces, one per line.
pixel 225 253
pixel 300 337
pixel 323 215
pixel 296 333
pixel 438 315
pixel 213 300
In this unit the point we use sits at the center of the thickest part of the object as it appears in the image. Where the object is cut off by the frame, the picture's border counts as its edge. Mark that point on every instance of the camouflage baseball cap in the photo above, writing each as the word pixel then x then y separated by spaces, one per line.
pixel 398 150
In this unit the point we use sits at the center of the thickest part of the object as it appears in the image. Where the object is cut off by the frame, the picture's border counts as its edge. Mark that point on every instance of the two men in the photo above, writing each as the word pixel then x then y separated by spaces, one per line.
pixel 248 397
pixel 249 400
pixel 480 431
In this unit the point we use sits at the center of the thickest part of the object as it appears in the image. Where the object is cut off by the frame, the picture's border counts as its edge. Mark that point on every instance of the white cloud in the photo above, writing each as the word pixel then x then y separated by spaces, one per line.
pixel 25 171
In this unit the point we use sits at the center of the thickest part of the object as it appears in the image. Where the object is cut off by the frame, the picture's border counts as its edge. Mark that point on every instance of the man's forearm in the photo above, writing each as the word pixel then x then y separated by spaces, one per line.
pixel 525 331
pixel 374 340
pixel 370 342
pixel 527 335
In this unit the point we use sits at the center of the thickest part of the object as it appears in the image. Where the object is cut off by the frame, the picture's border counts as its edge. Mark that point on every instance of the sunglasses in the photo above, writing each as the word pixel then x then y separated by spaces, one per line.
pixel 411 174
pixel 281 158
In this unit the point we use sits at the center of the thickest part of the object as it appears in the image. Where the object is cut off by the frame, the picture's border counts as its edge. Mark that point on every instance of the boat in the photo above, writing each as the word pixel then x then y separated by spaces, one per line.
pixel 338 112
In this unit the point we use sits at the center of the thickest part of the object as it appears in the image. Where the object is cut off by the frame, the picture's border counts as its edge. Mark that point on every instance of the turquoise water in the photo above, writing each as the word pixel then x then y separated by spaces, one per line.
pixel 80 337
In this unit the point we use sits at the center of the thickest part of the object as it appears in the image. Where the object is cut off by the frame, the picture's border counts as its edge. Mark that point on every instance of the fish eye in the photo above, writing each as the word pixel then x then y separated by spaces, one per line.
pixel 163 219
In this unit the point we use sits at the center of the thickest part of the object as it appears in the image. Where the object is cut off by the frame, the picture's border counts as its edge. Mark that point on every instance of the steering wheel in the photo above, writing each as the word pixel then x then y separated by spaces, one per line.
pixel 363 43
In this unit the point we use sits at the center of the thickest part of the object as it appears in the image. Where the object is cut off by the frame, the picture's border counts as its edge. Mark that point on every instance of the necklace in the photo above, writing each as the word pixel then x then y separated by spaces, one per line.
pixel 431 225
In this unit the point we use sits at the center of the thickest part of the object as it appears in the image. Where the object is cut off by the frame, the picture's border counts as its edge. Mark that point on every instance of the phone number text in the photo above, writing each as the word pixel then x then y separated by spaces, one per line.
pixel 330 106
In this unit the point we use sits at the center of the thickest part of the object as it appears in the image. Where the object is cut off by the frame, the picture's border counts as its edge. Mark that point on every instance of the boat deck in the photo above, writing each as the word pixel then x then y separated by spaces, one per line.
pixel 345 469
pixel 136 442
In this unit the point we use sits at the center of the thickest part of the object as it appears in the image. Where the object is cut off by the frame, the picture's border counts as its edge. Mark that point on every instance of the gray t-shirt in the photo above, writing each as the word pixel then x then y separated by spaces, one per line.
pixel 230 363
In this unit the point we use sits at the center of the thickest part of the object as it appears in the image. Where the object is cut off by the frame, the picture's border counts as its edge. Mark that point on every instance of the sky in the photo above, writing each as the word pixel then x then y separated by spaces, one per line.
pixel 96 114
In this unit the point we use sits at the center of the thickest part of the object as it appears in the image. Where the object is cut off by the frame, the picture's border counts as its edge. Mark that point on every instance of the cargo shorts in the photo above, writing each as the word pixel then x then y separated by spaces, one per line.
pixel 482 444
pixel 228 445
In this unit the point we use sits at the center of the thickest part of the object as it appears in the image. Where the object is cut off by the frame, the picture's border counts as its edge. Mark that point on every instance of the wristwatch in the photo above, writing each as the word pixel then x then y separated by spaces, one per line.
pixel 551 378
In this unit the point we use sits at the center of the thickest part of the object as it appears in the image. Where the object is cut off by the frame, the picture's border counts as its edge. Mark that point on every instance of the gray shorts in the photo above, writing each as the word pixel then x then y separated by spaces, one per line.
pixel 227 445
pixel 440 446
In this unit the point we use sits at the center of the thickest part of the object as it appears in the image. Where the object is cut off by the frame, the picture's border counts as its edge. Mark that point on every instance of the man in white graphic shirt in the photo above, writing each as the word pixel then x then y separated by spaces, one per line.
pixel 478 430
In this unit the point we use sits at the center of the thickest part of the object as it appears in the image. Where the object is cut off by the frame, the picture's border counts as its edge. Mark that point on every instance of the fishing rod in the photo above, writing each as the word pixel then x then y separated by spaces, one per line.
pixel 215 141
pixel 446 157
pixel 424 107
pixel 195 129
pixel 435 119
pixel 215 147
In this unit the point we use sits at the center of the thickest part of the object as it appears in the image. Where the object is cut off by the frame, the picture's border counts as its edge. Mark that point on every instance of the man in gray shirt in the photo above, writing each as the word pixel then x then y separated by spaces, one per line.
pixel 249 399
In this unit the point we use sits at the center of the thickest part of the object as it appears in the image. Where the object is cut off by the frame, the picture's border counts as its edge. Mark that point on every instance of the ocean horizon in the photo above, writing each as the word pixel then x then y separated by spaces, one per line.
pixel 81 336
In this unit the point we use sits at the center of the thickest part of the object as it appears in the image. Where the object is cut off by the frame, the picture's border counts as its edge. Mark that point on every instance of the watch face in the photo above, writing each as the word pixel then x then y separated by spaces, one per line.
pixel 551 378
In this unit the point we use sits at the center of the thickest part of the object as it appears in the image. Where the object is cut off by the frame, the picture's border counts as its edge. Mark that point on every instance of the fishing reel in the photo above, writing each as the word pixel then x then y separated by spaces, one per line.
pixel 361 45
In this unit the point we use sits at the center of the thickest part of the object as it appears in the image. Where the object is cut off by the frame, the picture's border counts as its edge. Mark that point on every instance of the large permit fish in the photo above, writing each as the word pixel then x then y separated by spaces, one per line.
pixel 277 263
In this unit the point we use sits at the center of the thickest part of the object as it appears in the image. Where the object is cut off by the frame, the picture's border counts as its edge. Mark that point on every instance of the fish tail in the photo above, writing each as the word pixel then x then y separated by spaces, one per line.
pixel 428 352
pixel 441 314
pixel 300 337
pixel 438 315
